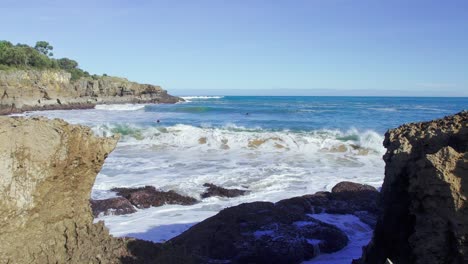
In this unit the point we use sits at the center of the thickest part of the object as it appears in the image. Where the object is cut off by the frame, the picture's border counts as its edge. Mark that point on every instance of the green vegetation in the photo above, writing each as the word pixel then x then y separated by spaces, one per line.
pixel 22 56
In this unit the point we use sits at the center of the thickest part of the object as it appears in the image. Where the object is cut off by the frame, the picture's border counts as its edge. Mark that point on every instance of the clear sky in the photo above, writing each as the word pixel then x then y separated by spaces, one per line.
pixel 373 47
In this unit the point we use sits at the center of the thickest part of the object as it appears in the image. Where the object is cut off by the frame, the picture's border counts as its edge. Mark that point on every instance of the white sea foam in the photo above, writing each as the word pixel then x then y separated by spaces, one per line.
pixel 384 109
pixel 120 107
pixel 359 235
pixel 272 165
pixel 201 97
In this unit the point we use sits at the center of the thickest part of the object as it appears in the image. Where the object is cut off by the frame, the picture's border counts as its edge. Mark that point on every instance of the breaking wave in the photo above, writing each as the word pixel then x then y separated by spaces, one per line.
pixel 120 107
pixel 233 137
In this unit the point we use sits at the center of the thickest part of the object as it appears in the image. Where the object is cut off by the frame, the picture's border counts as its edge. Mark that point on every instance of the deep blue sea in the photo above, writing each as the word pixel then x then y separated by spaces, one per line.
pixel 274 147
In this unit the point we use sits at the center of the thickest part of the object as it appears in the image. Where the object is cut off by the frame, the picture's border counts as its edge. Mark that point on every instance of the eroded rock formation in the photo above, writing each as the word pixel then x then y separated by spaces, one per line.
pixel 26 90
pixel 47 169
pixel 424 195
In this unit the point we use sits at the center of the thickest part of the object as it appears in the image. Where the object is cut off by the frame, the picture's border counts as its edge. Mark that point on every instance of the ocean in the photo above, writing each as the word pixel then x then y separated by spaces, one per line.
pixel 274 147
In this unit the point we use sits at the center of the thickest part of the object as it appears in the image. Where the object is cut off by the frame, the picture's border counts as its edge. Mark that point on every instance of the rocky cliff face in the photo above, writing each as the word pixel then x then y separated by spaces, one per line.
pixel 41 90
pixel 424 195
pixel 47 169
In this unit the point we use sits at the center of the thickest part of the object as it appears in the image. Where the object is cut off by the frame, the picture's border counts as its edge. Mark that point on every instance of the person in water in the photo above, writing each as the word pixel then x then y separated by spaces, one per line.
pixel 157 121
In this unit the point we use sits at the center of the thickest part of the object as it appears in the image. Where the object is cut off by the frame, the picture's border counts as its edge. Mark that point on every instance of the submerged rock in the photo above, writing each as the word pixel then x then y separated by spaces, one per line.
pixel 425 215
pixel 112 206
pixel 214 190
pixel 145 197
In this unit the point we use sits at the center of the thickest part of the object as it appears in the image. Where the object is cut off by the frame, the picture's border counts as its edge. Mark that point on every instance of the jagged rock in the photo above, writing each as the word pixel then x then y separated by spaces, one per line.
pixel 47 169
pixel 345 198
pixel 425 214
pixel 112 206
pixel 214 190
pixel 145 197
pixel 27 90
pixel 259 232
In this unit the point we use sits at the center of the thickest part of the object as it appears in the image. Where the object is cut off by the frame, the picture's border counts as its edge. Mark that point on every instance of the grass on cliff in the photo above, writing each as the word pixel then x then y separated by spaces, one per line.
pixel 24 57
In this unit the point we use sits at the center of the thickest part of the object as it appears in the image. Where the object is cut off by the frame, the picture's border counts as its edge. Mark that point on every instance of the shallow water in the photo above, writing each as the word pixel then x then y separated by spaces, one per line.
pixel 274 147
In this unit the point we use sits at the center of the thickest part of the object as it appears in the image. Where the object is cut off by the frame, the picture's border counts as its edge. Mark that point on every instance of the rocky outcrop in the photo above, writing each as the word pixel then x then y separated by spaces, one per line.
pixel 26 90
pixel 214 190
pixel 282 232
pixel 424 195
pixel 148 196
pixel 259 232
pixel 345 198
pixel 47 169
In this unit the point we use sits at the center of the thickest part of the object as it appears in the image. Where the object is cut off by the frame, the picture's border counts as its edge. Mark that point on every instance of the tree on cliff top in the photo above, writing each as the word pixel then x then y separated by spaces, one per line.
pixel 44 47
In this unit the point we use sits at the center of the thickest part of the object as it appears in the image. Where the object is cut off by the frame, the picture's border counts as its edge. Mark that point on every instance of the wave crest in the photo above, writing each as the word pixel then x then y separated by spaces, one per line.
pixel 232 138
pixel 120 107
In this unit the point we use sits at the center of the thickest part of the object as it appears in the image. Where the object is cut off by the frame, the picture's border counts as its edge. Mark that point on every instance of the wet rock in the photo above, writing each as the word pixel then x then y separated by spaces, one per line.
pixel 352 187
pixel 259 232
pixel 112 206
pixel 214 190
pixel 425 216
pixel 345 198
pixel 145 197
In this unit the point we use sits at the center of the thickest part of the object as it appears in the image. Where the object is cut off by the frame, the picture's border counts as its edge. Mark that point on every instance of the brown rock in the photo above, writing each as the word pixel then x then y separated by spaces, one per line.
pixel 214 190
pixel 47 169
pixel 425 216
pixel 145 197
pixel 27 90
pixel 112 206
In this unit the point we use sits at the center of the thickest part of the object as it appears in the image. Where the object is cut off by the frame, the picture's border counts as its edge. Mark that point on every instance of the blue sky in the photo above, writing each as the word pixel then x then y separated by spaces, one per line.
pixel 327 47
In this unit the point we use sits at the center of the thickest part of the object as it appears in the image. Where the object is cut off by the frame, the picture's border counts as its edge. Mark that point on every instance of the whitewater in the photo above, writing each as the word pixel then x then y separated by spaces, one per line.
pixel 273 147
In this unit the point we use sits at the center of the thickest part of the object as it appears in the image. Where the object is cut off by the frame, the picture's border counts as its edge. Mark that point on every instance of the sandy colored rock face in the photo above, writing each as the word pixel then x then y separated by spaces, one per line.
pixel 425 217
pixel 26 90
pixel 47 169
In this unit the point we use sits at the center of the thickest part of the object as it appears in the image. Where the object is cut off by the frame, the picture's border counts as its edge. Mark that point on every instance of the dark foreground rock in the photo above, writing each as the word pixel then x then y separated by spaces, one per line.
pixel 112 206
pixel 214 190
pixel 259 232
pixel 145 197
pixel 345 198
pixel 425 213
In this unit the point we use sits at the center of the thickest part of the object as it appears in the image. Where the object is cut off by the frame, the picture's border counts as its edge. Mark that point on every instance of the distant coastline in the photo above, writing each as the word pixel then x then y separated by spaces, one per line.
pixel 31 80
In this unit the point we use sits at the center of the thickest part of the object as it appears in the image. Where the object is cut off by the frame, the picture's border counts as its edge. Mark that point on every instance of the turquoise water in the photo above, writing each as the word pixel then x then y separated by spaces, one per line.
pixel 308 113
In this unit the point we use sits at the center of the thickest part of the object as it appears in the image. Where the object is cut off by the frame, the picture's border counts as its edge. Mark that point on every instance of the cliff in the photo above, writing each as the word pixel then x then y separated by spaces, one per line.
pixel 26 90
pixel 47 169
pixel 425 213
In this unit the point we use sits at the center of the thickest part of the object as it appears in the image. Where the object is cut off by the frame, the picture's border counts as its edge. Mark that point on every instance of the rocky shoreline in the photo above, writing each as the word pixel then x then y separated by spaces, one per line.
pixel 33 90
pixel 48 167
